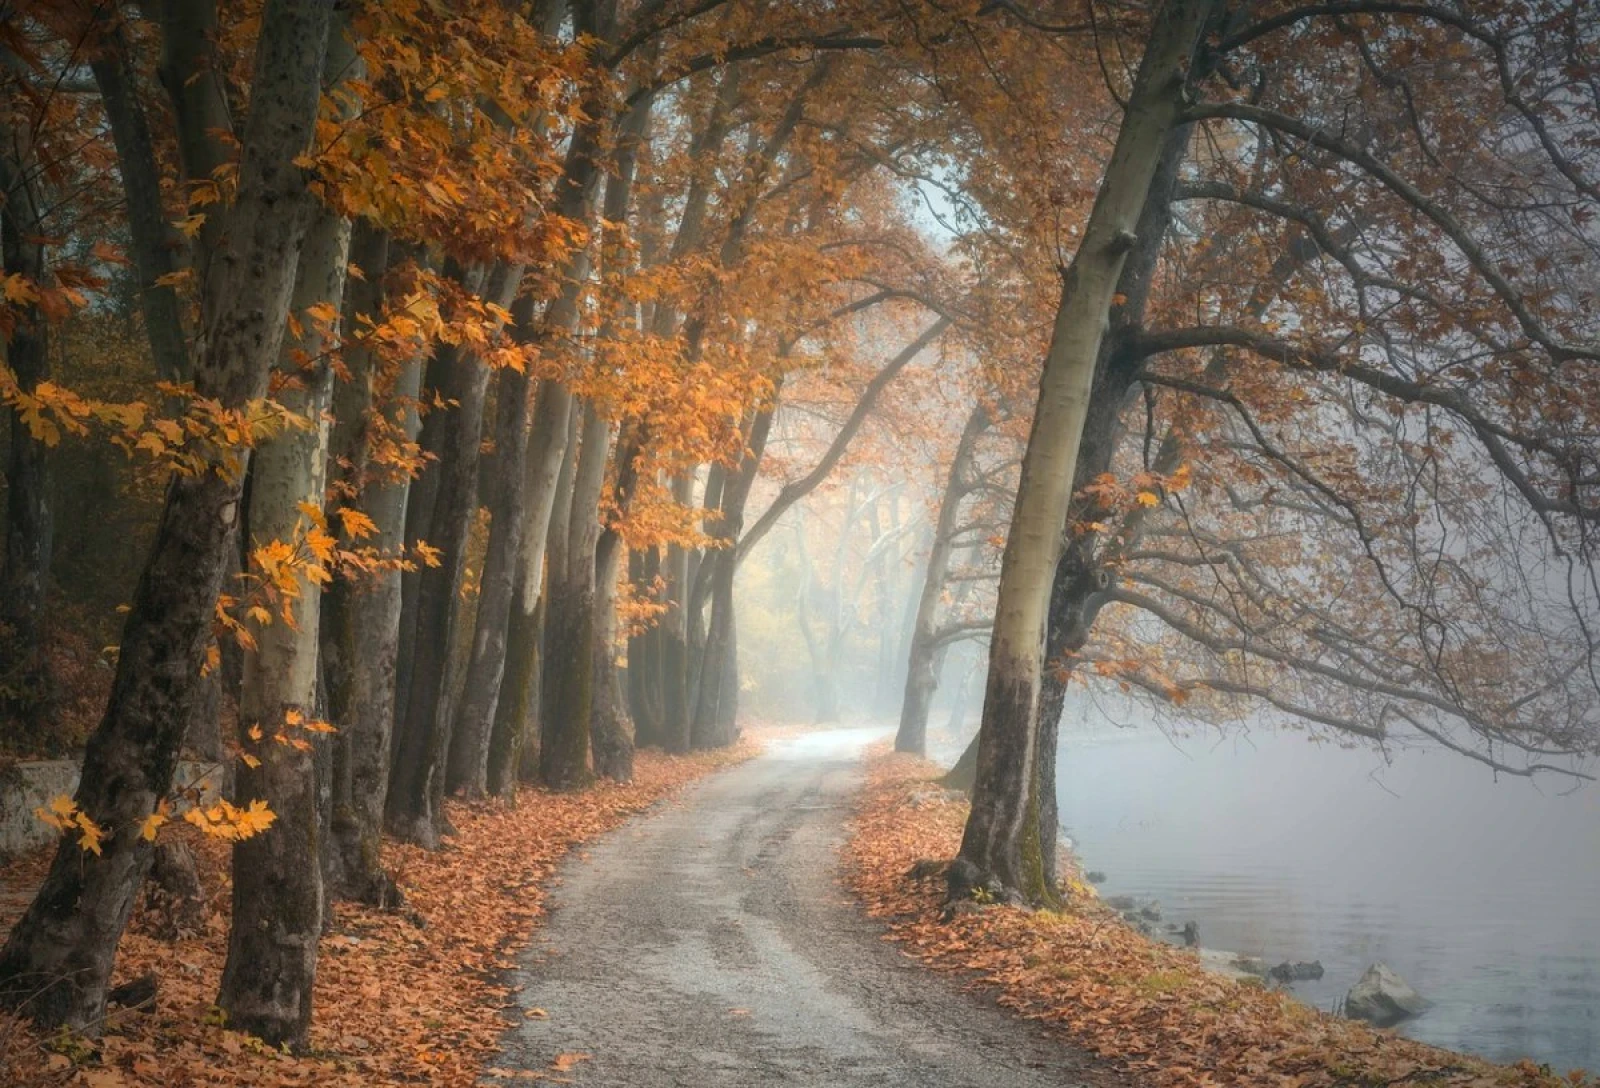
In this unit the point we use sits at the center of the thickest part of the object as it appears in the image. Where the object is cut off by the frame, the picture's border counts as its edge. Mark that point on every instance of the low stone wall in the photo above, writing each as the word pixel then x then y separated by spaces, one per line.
pixel 33 784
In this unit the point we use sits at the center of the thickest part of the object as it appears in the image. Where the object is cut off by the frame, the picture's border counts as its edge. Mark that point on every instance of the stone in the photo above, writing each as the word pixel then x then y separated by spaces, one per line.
pixel 1296 972
pixel 32 784
pixel 1095 876
pixel 1383 999
pixel 1120 902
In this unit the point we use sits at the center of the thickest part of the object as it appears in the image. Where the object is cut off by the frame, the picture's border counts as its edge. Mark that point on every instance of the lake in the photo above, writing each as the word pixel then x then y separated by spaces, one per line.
pixel 1484 895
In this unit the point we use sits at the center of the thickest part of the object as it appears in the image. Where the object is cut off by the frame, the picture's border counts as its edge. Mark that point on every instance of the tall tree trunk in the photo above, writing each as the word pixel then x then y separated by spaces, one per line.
pixel 677 715
pixel 922 678
pixel 611 731
pixel 416 783
pixel 513 749
pixel 1000 837
pixel 557 550
pixel 469 746
pixel 155 242
pixel 569 673
pixel 517 709
pixel 361 621
pixel 24 581
pixel 644 661
pixel 58 957
pixel 277 876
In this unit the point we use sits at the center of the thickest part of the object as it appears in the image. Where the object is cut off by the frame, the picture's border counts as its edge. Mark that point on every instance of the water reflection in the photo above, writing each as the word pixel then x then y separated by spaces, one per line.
pixel 1484 895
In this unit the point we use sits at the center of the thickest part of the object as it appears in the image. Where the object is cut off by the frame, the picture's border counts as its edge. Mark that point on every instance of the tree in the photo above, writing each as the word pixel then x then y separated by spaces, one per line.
pixel 58 957
pixel 999 833
pixel 922 670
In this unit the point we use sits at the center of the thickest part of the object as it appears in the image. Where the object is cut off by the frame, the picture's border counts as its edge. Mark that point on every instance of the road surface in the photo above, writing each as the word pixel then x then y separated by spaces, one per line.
pixel 709 944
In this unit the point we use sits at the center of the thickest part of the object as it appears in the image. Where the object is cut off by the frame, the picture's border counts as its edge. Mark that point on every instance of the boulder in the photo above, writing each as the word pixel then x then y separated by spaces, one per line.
pixel 1120 902
pixel 1296 972
pixel 1383 998
pixel 1095 876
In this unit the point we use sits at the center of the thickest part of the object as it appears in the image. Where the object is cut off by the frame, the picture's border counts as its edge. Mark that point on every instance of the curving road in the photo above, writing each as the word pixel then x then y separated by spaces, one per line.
pixel 709 944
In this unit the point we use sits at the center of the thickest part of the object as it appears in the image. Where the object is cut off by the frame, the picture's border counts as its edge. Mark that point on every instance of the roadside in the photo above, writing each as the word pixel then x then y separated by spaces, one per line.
pixel 1152 1009
pixel 415 997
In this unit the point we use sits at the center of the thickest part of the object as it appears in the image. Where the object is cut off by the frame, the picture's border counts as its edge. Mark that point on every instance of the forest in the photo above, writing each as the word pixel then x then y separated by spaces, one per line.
pixel 409 403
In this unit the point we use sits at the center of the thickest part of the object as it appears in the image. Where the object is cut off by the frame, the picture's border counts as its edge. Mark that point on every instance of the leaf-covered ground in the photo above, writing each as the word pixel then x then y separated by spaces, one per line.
pixel 408 998
pixel 1149 1007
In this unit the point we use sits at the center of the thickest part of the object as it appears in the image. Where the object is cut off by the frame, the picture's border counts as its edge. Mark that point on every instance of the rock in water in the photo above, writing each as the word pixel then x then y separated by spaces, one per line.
pixel 1296 972
pixel 1383 998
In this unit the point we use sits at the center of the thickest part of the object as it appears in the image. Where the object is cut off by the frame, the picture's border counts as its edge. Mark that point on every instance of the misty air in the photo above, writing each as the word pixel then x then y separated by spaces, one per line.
pixel 818 542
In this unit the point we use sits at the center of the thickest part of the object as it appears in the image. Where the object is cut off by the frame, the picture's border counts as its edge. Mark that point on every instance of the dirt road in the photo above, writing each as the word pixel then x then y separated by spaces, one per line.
pixel 710 944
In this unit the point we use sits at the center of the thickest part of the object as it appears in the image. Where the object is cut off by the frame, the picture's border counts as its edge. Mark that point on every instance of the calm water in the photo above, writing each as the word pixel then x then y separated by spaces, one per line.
pixel 1484 895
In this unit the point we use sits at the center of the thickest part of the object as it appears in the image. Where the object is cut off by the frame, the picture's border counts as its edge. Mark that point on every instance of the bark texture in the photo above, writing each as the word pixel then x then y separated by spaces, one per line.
pixel 271 967
pixel 361 619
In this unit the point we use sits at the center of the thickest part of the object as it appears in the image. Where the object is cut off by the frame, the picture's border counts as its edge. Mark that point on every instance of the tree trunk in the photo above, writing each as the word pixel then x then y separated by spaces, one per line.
pixel 417 780
pixel 361 622
pixel 1000 837
pixel 517 709
pixel 677 715
pixel 469 750
pixel 922 678
pixel 58 957
pixel 964 772
pixel 155 242
pixel 277 878
pixel 416 783
pixel 716 712
pixel 569 673
pixel 24 581
pixel 644 661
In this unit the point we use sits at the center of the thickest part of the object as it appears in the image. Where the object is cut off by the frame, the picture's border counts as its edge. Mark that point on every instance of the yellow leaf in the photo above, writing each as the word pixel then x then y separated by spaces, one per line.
pixel 91 833
pixel 323 312
pixel 356 524
pixel 1148 498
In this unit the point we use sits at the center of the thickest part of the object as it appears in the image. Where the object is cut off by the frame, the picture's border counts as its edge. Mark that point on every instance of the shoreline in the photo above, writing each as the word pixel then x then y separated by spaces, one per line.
pixel 1155 1009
